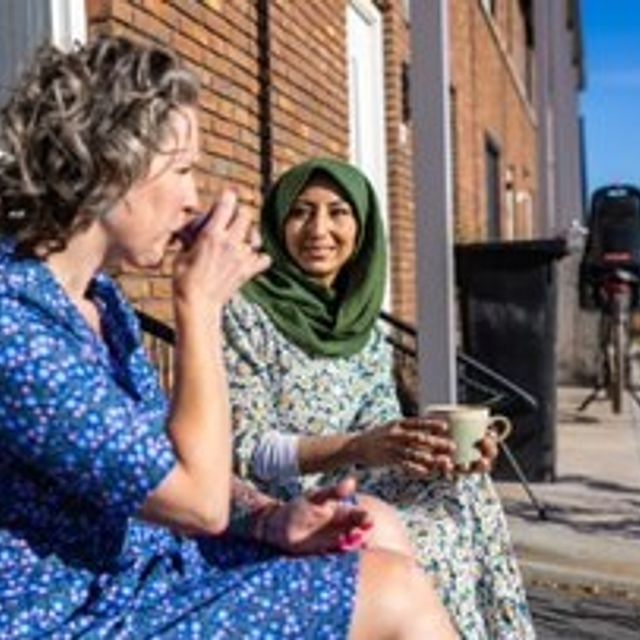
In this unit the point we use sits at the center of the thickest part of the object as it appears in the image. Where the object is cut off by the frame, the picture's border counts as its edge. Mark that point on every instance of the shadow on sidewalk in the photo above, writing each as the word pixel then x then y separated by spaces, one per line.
pixel 622 527
pixel 585 505
pixel 601 485
pixel 576 417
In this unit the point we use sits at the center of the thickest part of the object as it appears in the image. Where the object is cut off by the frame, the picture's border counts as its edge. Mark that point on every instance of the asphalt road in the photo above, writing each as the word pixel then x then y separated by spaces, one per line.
pixel 562 615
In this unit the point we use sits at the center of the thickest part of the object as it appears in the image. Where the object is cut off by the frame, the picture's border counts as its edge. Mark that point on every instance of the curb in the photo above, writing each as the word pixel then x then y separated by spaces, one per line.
pixel 591 565
pixel 583 582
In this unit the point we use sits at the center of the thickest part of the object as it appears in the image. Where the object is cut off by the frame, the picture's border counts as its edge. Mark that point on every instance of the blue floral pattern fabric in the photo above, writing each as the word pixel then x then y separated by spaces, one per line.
pixel 458 528
pixel 82 444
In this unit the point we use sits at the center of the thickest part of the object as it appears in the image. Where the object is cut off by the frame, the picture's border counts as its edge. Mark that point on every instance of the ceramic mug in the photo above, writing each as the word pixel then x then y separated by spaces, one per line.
pixel 468 424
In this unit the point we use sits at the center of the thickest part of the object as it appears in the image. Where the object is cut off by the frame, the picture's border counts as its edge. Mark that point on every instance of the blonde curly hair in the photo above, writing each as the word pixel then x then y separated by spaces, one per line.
pixel 78 130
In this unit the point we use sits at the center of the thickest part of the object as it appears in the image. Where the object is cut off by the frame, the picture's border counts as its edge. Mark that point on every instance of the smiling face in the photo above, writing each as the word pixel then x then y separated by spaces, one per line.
pixel 141 226
pixel 321 230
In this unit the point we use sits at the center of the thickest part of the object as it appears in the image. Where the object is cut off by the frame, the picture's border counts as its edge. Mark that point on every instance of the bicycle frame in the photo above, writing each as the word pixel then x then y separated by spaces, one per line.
pixel 616 291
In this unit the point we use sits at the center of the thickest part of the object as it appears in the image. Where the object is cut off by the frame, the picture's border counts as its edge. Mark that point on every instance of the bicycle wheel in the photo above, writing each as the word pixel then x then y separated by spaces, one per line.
pixel 618 355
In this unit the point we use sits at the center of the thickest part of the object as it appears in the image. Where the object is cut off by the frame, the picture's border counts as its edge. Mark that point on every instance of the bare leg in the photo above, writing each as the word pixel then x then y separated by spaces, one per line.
pixel 388 532
pixel 396 601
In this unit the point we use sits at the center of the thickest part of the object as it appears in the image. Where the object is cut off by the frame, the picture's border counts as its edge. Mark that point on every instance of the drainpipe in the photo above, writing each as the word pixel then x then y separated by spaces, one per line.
pixel 544 108
pixel 433 201
pixel 264 96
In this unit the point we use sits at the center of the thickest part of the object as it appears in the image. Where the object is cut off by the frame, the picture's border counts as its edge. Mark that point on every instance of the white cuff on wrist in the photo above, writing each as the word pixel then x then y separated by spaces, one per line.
pixel 276 456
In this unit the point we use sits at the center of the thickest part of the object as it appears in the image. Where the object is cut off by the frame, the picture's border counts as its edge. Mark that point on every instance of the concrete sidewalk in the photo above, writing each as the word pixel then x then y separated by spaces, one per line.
pixel 591 540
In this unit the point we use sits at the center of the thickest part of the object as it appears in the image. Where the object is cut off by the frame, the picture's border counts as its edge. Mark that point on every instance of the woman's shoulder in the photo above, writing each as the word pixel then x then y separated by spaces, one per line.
pixel 242 315
pixel 249 329
pixel 240 309
pixel 378 348
pixel 248 326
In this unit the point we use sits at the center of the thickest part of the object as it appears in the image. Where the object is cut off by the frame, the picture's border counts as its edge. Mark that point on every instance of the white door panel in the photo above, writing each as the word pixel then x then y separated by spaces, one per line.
pixel 367 123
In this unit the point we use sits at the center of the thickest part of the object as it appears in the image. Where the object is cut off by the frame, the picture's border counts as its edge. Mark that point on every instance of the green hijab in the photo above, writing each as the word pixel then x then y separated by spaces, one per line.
pixel 323 322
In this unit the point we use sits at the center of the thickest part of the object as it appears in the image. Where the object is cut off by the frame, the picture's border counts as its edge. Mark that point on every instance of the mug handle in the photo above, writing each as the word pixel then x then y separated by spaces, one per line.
pixel 501 434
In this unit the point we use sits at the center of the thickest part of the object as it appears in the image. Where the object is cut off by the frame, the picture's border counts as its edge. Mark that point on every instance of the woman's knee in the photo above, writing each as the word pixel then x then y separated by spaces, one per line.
pixel 396 600
pixel 389 531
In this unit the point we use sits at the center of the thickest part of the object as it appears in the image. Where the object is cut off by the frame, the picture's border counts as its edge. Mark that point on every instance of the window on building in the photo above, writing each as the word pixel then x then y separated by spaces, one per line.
pixel 529 52
pixel 405 75
pixel 492 164
pixel 26 24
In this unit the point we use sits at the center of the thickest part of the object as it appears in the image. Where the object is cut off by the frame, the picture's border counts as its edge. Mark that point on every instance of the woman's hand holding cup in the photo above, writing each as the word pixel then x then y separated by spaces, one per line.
pixel 476 434
pixel 431 451
pixel 489 450
pixel 420 446
pixel 219 255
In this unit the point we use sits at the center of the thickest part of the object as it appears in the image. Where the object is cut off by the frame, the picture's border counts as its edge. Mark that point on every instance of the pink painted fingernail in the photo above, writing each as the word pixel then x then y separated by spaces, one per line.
pixel 351 546
pixel 354 538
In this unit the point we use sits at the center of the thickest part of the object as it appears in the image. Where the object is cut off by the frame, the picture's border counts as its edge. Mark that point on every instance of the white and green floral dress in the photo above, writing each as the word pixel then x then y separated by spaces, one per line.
pixel 458 527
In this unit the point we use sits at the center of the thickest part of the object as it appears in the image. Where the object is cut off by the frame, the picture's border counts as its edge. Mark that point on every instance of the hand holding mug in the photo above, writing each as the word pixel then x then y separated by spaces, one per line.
pixel 489 449
pixel 475 432
pixel 419 446
pixel 219 255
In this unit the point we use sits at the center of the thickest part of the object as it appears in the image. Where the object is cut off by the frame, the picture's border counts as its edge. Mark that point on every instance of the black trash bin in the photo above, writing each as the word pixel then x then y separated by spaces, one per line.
pixel 508 305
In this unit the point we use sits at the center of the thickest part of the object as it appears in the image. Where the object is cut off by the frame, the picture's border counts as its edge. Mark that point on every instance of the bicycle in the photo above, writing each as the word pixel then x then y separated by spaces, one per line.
pixel 615 292
pixel 610 283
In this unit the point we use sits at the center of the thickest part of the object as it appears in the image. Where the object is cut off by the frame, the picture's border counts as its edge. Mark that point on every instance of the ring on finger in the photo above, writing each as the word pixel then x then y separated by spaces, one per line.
pixel 418 456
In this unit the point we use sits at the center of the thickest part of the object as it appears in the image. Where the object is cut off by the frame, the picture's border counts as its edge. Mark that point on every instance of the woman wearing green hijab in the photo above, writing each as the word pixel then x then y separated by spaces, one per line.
pixel 313 395
pixel 321 318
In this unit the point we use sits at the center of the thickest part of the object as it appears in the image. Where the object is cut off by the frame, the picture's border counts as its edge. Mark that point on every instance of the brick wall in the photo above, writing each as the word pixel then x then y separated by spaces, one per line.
pixel 399 149
pixel 307 113
pixel 221 45
pixel 310 100
pixel 489 77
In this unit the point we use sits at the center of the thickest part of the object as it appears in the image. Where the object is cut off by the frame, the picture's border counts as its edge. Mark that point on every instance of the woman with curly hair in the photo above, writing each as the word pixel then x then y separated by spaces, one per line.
pixel 117 500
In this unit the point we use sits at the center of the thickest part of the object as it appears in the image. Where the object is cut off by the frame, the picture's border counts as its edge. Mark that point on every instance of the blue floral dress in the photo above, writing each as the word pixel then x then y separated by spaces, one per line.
pixel 82 444
pixel 458 528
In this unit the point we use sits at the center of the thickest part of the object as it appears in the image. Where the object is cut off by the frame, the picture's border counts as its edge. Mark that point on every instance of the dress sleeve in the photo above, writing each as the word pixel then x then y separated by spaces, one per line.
pixel 380 402
pixel 252 384
pixel 63 413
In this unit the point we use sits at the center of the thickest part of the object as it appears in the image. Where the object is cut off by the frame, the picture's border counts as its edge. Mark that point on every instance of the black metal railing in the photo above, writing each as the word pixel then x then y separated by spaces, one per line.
pixel 477 383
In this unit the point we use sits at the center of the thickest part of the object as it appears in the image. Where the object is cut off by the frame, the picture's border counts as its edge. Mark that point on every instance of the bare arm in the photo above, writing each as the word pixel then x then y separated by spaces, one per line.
pixel 196 494
pixel 318 454
pixel 379 436
pixel 415 444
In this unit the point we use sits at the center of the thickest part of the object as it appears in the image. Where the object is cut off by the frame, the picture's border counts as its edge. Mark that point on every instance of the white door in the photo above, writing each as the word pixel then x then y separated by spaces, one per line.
pixel 367 140
pixel 25 24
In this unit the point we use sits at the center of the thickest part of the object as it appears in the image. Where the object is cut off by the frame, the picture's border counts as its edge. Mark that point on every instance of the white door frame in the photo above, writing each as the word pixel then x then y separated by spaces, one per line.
pixel 26 24
pixel 68 22
pixel 367 117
